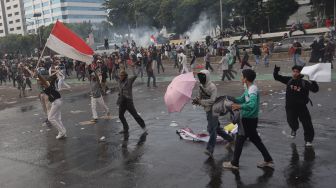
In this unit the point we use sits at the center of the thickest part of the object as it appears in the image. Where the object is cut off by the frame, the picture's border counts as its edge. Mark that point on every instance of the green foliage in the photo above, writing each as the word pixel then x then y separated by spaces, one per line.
pixel 18 44
pixel 178 15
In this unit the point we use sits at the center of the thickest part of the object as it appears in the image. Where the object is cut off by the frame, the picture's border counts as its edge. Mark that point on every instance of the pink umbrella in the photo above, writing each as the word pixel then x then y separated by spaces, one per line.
pixel 179 92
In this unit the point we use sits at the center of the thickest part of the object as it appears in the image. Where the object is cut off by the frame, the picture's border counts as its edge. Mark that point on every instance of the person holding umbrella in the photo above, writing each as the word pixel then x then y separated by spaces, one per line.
pixel 206 98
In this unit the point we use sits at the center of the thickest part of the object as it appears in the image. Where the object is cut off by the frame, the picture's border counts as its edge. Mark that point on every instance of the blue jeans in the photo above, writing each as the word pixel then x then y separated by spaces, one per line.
pixel 214 129
pixel 266 59
pixel 257 59
pixel 297 60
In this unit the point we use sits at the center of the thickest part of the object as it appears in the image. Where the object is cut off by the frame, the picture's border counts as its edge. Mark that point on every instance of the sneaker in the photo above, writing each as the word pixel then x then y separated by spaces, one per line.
pixel 229 165
pixel 94 120
pixel 208 153
pixel 309 144
pixel 60 136
pixel 266 164
pixel 293 134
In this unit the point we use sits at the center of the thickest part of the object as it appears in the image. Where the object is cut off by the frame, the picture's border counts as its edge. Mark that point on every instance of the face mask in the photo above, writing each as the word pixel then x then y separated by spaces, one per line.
pixel 202 78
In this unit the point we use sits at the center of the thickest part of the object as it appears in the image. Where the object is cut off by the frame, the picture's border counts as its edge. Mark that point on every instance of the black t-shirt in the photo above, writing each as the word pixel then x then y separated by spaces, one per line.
pixel 52 93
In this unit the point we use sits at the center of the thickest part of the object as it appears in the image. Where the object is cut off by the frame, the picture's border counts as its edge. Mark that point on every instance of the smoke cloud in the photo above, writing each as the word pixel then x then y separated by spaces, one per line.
pixel 200 29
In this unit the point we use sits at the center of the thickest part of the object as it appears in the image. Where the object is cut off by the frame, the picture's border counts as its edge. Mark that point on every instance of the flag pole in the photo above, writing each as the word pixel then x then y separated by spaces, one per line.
pixel 39 60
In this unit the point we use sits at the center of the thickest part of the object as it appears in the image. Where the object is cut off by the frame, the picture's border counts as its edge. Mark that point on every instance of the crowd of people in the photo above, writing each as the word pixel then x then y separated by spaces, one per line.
pixel 127 62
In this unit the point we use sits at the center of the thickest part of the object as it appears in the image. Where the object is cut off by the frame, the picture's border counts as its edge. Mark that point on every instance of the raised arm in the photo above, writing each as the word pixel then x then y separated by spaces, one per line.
pixel 132 79
pixel 278 77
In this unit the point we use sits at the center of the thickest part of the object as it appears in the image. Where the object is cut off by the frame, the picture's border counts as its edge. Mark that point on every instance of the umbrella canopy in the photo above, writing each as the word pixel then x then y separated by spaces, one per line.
pixel 179 92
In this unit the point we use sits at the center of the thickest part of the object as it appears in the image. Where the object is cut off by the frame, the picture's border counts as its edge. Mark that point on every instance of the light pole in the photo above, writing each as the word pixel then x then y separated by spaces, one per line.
pixel 221 14
pixel 334 13
pixel 268 24
pixel 36 16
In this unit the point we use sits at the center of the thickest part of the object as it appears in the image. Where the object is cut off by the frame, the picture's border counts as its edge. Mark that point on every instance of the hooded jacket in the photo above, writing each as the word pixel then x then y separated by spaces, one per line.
pixel 297 90
pixel 207 92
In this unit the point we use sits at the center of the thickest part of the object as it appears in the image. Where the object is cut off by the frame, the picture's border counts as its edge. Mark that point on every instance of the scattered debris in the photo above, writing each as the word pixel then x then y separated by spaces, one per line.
pixel 173 124
pixel 102 139
pixel 76 111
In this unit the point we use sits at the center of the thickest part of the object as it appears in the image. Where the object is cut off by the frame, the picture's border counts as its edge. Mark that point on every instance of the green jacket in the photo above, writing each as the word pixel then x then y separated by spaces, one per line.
pixel 249 102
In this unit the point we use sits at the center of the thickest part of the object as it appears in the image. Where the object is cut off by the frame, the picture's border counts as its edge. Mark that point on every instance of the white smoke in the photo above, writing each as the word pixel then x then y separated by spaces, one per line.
pixel 200 29
pixel 141 36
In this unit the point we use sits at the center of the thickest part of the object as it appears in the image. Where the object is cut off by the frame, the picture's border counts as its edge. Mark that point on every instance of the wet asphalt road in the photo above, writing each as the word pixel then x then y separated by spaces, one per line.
pixel 30 156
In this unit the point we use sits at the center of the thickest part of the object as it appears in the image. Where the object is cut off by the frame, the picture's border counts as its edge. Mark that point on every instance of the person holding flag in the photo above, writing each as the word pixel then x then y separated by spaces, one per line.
pixel 54 115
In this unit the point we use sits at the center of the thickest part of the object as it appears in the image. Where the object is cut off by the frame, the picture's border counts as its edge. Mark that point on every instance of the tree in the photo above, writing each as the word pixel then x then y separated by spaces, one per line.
pixel 178 15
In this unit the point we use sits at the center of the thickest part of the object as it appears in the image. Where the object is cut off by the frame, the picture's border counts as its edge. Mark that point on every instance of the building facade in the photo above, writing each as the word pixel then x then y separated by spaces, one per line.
pixel 45 12
pixel 12 17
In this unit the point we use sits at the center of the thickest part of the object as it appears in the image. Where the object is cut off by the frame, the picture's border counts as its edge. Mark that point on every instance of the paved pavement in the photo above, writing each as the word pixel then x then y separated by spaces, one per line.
pixel 30 156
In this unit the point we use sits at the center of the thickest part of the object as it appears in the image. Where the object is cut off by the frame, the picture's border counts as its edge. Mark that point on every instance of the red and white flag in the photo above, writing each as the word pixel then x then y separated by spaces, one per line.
pixel 65 42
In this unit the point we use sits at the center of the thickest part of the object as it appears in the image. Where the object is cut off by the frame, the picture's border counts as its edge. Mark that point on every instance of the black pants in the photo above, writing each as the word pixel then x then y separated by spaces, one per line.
pixel 301 113
pixel 14 80
pixel 231 71
pixel 243 63
pixel 226 74
pixel 250 128
pixel 207 66
pixel 110 74
pixel 128 105
pixel 28 82
pixel 151 75
pixel 159 64
pixel 176 64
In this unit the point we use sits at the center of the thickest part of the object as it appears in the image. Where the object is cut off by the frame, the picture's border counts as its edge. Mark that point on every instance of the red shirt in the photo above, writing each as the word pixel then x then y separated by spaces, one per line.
pixel 109 64
pixel 328 22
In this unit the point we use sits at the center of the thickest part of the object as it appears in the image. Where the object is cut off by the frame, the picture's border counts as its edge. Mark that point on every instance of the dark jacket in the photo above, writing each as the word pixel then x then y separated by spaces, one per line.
pixel 125 88
pixel 256 50
pixel 297 90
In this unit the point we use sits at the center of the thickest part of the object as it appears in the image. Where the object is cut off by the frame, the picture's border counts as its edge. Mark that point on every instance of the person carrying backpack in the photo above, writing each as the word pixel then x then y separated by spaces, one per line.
pixel 297 97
